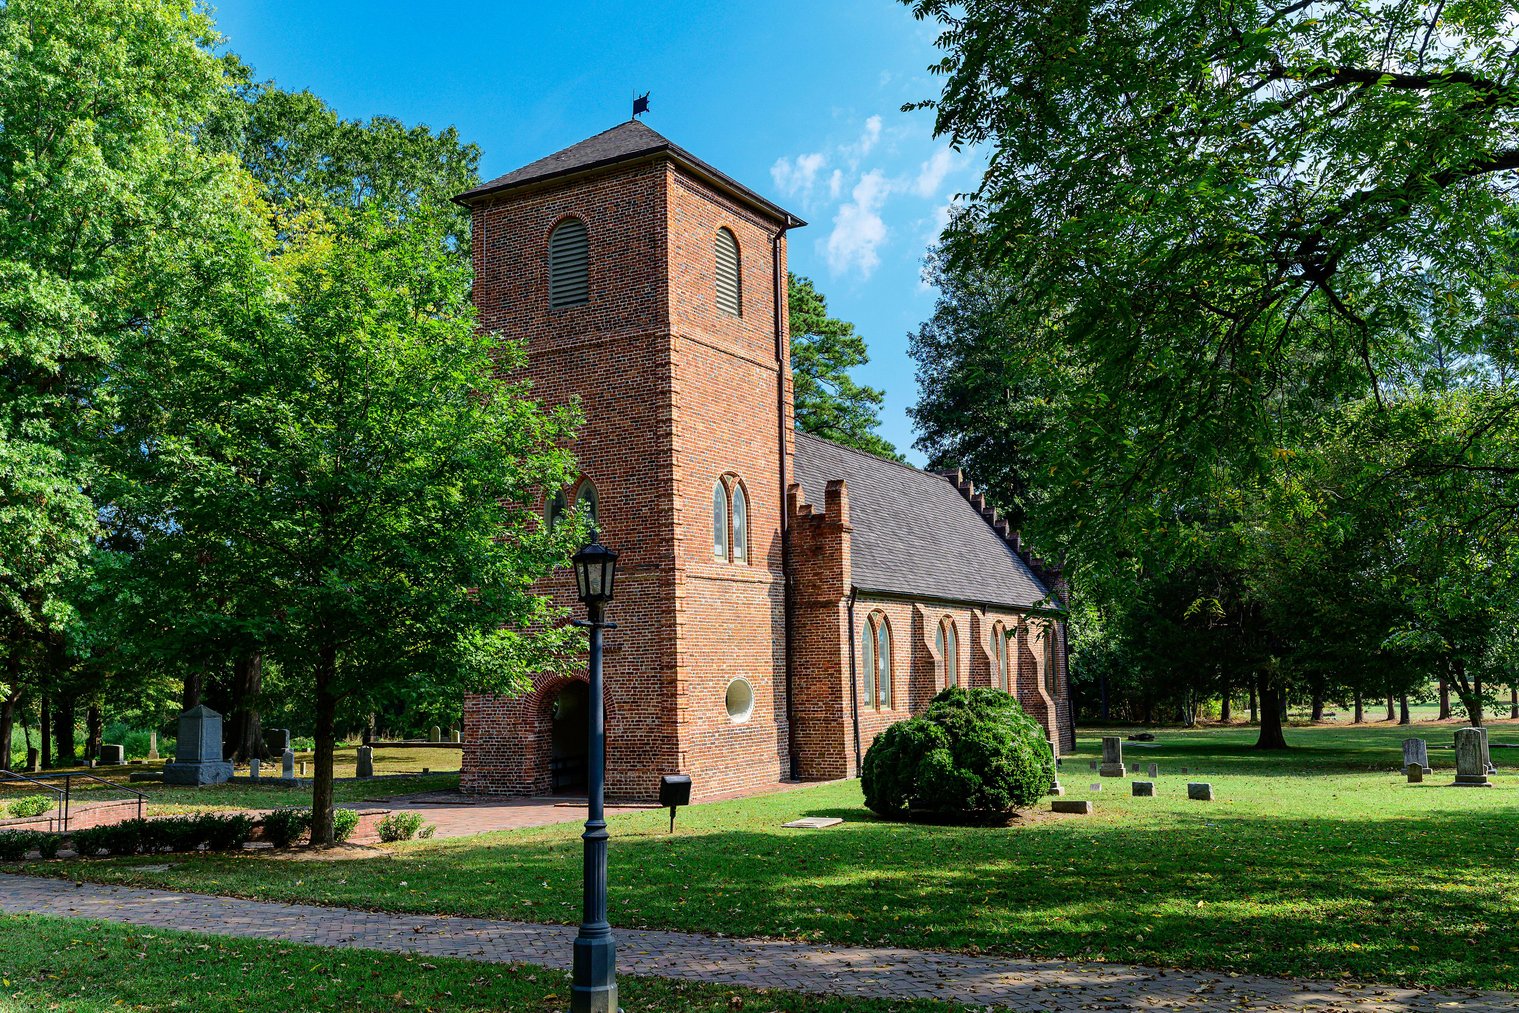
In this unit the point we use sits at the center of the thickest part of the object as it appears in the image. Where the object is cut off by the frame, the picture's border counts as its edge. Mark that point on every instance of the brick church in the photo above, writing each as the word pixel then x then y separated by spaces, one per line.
pixel 781 599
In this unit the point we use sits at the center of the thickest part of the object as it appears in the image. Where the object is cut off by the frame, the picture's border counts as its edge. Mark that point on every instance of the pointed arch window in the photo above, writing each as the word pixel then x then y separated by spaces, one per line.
pixel 555 508
pixel 948 645
pixel 569 264
pixel 730 520
pixel 1051 677
pixel 875 668
pixel 720 520
pixel 730 295
pixel 588 502
pixel 999 657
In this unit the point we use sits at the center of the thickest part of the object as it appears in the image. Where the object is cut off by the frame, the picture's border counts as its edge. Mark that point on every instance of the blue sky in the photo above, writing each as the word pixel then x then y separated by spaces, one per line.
pixel 801 101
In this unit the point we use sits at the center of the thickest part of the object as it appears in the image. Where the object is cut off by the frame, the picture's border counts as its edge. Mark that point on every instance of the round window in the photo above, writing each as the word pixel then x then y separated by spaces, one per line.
pixel 740 700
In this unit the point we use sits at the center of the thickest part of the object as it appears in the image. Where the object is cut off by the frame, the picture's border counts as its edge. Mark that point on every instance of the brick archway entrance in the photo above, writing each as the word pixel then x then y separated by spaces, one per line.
pixel 568 729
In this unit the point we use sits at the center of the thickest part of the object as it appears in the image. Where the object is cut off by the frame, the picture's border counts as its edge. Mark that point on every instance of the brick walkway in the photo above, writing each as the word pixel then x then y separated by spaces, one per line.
pixel 457 815
pixel 992 982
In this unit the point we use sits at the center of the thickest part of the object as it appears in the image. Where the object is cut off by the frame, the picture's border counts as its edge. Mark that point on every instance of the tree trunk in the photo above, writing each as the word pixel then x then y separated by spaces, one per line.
pixel 63 732
pixel 245 736
pixel 1392 704
pixel 1469 691
pixel 195 684
pixel 1444 699
pixel 1224 711
pixel 1252 704
pixel 1513 700
pixel 1271 700
pixel 326 725
pixel 45 732
pixel 1360 708
pixel 1403 718
pixel 1318 705
pixel 8 725
pixel 94 732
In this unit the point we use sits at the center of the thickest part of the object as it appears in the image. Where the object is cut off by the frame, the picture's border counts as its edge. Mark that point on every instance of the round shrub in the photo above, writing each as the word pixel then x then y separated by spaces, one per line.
pixel 973 756
pixel 283 827
pixel 400 826
pixel 31 805
pixel 344 823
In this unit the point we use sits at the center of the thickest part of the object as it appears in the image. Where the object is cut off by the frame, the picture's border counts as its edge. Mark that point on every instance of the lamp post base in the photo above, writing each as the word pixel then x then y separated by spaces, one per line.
pixel 595 962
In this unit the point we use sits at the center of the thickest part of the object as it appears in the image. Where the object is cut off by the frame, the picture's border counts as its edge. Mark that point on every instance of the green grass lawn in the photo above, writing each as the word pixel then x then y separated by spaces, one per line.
pixel 164 800
pixel 85 967
pixel 1317 862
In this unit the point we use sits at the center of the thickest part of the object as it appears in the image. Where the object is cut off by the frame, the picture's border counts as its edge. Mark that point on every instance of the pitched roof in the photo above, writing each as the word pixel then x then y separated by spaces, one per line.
pixel 625 142
pixel 914 533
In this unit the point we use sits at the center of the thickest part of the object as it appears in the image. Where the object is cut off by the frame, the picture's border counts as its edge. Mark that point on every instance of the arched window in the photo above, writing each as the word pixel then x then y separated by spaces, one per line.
pixel 569 263
pixel 868 661
pixel 588 503
pixel 875 667
pixel 740 524
pixel 555 508
pixel 949 653
pixel 720 520
pixel 1051 680
pixel 730 296
pixel 999 656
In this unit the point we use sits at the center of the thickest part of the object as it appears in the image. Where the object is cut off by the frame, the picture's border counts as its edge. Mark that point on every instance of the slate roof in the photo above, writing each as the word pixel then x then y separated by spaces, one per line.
pixel 914 533
pixel 624 142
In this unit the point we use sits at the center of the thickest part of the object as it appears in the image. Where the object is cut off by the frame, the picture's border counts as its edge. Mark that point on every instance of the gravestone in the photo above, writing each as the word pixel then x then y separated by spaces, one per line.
pixel 1091 764
pixel 1415 773
pixel 112 755
pixel 453 735
pixel 1199 791
pixel 1471 772
pixel 435 735
pixel 1080 806
pixel 1056 789
pixel 365 767
pixel 813 823
pixel 1096 786
pixel 1112 757
pixel 1154 770
pixel 1487 756
pixel 253 765
pixel 303 768
pixel 1416 751
pixel 1185 769
pixel 198 750
pixel 287 765
pixel 153 745
pixel 276 740
pixel 1143 789
pixel 33 760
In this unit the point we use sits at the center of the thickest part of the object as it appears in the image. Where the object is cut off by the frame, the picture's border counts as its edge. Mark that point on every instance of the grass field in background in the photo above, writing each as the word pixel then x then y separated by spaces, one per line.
pixel 100 967
pixel 1318 862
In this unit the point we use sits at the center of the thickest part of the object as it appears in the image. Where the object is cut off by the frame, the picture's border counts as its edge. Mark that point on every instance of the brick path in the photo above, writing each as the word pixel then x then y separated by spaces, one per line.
pixel 457 815
pixel 992 982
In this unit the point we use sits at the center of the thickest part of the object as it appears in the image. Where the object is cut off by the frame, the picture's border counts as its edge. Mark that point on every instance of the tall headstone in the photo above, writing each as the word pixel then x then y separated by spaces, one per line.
pixel 453 735
pixel 153 745
pixel 112 755
pixel 435 735
pixel 365 767
pixel 276 740
pixel 253 767
pixel 198 750
pixel 33 760
pixel 287 765
pixel 1471 772
pixel 1154 770
pixel 1487 756
pixel 1416 751
pixel 1112 757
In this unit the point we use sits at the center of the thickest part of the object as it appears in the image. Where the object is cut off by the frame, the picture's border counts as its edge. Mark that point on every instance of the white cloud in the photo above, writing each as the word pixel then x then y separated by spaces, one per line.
pixel 858 229
pixel 871 135
pixel 800 176
pixel 932 172
pixel 836 184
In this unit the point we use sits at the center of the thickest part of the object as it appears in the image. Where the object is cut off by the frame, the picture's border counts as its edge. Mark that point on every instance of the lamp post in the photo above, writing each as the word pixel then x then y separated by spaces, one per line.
pixel 593 986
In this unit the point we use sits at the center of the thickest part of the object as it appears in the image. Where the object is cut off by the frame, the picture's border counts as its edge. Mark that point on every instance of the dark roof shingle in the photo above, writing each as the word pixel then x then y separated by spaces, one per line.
pixel 914 533
pixel 622 143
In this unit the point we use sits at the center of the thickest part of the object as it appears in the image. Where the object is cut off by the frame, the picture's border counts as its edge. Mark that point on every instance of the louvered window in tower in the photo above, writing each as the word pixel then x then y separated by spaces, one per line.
pixel 729 290
pixel 568 264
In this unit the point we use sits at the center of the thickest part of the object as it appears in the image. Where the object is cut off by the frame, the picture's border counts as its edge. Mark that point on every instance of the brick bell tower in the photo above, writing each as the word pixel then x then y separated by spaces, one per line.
pixel 652 286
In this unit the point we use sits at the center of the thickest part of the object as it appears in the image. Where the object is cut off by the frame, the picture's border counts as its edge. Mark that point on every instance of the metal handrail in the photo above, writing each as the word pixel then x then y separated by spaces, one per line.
pixel 60 807
pixel 66 793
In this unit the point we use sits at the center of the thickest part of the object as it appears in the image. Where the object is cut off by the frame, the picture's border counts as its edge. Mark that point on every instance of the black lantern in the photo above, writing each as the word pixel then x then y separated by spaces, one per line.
pixel 595 568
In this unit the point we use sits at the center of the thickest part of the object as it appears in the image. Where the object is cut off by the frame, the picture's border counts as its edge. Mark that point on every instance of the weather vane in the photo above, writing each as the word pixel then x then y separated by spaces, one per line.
pixel 640 104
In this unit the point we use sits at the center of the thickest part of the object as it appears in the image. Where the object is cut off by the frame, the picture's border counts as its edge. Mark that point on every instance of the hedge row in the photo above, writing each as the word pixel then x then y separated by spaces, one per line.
pixel 212 831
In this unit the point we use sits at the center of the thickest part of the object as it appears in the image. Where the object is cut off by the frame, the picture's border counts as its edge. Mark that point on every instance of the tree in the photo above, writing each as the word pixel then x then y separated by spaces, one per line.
pixel 826 400
pixel 102 189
